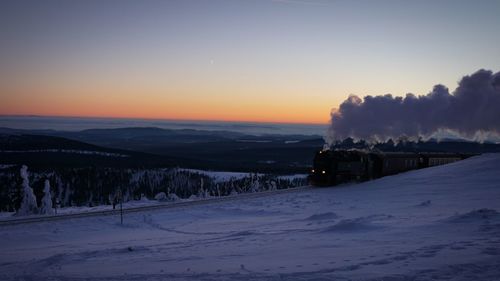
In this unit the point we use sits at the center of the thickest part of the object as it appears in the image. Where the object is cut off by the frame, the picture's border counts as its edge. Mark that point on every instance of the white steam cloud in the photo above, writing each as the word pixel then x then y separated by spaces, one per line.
pixel 472 111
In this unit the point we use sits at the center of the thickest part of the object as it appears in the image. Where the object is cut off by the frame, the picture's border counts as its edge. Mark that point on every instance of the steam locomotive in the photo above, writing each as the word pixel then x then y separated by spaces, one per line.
pixel 331 167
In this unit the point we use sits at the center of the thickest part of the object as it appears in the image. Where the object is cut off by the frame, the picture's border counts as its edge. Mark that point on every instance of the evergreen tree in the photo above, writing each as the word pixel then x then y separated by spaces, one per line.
pixel 255 185
pixel 46 207
pixel 28 204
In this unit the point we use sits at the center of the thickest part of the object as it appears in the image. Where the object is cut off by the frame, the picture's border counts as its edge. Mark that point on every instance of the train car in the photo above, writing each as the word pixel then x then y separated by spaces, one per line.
pixel 430 159
pixel 397 162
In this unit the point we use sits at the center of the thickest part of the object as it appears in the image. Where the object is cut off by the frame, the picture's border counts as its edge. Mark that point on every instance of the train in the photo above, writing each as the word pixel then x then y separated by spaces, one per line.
pixel 332 167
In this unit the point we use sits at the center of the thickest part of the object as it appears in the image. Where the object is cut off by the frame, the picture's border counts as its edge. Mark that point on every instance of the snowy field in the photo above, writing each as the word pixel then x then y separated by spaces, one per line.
pixel 441 223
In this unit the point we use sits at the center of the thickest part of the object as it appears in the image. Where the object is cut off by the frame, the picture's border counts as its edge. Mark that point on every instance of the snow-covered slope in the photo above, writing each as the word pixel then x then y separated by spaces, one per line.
pixel 437 223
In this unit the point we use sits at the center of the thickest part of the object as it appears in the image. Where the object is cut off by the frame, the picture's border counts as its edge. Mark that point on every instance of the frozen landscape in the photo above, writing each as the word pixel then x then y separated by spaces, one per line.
pixel 440 223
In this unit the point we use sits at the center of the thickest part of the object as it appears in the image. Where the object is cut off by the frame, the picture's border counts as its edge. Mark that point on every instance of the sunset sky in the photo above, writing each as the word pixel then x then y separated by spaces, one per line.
pixel 253 60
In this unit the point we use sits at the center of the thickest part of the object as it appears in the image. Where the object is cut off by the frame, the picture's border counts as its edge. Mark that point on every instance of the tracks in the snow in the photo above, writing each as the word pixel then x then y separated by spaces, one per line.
pixel 150 208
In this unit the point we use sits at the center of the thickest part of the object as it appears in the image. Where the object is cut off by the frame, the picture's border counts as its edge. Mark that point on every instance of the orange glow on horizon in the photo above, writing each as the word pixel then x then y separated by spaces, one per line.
pixel 103 103
pixel 178 111
pixel 175 118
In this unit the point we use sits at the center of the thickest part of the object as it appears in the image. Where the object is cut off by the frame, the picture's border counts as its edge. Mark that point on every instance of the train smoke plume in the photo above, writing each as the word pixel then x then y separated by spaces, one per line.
pixel 472 111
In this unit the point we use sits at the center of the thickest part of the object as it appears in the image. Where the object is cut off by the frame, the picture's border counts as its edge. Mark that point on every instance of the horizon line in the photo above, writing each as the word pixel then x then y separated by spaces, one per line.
pixel 160 119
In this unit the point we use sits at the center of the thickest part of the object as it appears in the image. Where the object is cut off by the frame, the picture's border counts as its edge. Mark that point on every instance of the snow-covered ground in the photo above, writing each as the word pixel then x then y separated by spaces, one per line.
pixel 441 223
pixel 219 176
pixel 227 176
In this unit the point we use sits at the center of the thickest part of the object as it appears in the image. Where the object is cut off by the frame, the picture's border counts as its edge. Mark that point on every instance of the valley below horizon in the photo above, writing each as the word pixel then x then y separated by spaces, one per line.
pixel 36 122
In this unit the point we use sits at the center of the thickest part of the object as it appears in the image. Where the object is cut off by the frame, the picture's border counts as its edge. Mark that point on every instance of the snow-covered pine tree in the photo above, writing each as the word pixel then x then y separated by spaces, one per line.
pixel 255 185
pixel 28 204
pixel 217 189
pixel 46 208
pixel 173 197
pixel 272 185
pixel 161 196
pixel 232 190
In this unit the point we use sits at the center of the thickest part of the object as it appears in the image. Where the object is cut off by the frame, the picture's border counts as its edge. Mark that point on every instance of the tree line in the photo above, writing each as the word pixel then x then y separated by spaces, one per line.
pixel 35 191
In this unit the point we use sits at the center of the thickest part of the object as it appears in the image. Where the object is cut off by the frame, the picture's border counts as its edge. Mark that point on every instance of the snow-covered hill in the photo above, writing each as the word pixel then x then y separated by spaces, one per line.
pixel 437 223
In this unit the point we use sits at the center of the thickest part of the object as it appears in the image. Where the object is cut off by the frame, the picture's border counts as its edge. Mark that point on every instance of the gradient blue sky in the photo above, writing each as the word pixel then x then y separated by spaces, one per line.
pixel 254 60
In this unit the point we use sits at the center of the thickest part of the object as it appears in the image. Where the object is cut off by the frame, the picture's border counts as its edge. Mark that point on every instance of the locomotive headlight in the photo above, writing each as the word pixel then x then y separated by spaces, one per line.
pixel 323 172
pixel 312 171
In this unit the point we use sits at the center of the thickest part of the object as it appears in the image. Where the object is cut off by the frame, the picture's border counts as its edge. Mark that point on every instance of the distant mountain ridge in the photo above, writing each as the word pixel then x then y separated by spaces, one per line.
pixel 49 151
pixel 212 150
pixel 188 148
pixel 127 133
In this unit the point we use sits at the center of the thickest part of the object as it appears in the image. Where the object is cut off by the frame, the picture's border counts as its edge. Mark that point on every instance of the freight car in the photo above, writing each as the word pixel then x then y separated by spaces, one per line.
pixel 331 167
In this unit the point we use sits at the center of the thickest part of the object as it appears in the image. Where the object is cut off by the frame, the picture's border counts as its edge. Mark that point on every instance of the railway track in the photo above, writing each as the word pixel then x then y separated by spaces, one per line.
pixel 207 201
